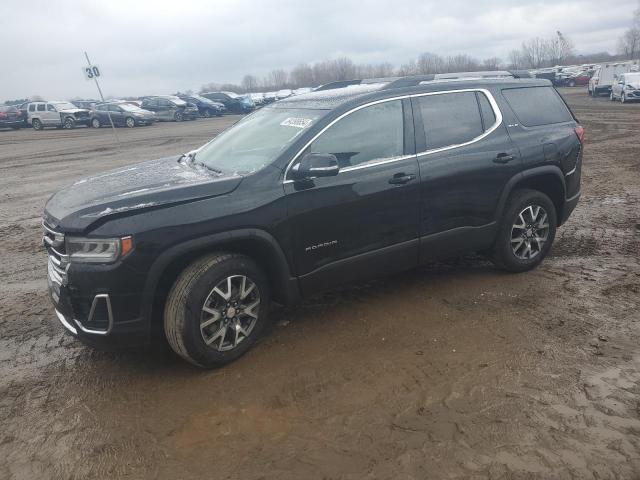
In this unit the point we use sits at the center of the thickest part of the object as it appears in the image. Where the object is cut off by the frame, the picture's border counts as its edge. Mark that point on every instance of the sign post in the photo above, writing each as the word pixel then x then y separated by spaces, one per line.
pixel 92 72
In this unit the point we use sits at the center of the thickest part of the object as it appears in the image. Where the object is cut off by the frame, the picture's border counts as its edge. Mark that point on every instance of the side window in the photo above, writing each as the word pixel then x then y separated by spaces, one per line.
pixel 369 134
pixel 41 107
pixel 536 106
pixel 488 115
pixel 32 107
pixel 163 102
pixel 450 118
pixel 50 108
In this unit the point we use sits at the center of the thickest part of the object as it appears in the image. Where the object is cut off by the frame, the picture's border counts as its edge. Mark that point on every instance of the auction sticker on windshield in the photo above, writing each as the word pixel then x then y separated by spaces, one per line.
pixel 297 122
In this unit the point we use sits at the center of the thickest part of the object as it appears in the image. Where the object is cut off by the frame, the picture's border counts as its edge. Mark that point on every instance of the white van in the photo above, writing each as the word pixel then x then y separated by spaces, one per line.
pixel 605 74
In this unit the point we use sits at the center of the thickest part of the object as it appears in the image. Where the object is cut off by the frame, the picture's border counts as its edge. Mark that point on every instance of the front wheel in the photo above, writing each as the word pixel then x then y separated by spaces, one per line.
pixel 526 231
pixel 69 123
pixel 216 309
pixel 622 98
pixel 95 123
pixel 36 124
pixel 177 116
pixel 130 122
pixel 611 97
pixel 206 113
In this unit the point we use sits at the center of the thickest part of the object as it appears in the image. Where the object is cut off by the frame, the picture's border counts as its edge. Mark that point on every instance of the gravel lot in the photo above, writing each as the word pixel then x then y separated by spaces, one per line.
pixel 453 371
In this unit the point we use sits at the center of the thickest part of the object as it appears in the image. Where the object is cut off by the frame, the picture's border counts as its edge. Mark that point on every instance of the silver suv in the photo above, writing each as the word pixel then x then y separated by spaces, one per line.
pixel 57 114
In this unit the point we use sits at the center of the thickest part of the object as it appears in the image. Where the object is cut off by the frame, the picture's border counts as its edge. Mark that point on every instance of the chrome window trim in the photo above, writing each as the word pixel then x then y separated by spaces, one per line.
pixel 487 93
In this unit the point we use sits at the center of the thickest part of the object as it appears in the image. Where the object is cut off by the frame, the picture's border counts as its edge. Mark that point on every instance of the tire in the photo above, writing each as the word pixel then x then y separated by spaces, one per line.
pixel 95 123
pixel 36 124
pixel 206 113
pixel 611 97
pixel 510 255
pixel 185 320
pixel 130 122
pixel 623 98
pixel 177 116
pixel 69 123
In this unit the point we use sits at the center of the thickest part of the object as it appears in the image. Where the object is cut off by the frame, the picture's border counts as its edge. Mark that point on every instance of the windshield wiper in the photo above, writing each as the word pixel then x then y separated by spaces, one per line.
pixel 211 169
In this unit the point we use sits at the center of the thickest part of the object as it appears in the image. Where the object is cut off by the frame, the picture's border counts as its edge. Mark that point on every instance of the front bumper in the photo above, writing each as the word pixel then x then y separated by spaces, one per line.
pixel 632 94
pixel 99 304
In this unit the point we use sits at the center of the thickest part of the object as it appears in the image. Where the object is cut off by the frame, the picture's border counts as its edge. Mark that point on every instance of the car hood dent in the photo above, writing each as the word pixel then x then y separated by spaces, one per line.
pixel 152 184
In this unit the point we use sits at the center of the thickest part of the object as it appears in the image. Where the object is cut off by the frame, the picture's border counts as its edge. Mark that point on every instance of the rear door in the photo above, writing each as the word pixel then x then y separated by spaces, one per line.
pixel 465 158
pixel 364 221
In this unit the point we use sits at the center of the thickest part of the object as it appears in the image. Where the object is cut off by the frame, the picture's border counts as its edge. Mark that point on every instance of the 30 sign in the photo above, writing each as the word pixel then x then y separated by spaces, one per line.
pixel 91 72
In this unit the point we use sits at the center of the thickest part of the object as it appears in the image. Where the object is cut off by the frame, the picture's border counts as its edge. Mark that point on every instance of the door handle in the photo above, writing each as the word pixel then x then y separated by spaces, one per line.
pixel 401 178
pixel 503 158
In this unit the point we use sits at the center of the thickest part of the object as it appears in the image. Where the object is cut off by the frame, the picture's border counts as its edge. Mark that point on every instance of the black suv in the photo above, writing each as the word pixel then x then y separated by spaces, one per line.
pixel 304 195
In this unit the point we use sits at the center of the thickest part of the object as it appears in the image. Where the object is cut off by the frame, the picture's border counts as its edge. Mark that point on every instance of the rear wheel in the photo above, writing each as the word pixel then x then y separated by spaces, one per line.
pixel 177 116
pixel 526 231
pixel 36 124
pixel 217 309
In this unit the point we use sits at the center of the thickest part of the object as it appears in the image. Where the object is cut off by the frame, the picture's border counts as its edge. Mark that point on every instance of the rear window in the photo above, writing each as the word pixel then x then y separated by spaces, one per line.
pixel 536 106
pixel 450 119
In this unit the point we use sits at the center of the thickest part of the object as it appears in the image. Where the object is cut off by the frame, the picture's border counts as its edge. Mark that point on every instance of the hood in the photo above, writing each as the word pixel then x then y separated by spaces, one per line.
pixel 634 84
pixel 74 110
pixel 143 186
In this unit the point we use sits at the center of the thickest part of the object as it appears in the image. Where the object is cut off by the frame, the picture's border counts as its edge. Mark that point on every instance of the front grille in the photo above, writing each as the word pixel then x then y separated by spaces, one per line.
pixel 53 241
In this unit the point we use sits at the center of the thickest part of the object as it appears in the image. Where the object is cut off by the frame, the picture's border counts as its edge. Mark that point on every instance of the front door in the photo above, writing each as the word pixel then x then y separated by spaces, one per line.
pixel 364 221
pixel 466 158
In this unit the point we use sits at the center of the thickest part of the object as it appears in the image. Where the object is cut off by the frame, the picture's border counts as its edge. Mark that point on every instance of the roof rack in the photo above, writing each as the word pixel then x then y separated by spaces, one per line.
pixel 414 80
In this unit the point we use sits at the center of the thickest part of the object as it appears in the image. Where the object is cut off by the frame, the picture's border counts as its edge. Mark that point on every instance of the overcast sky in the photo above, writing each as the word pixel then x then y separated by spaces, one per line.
pixel 155 47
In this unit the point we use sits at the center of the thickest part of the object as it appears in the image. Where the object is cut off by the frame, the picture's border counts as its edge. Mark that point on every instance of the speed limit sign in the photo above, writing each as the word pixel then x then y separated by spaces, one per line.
pixel 91 72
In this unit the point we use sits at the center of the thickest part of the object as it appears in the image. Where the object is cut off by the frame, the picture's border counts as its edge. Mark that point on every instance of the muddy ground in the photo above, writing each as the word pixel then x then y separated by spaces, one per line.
pixel 453 371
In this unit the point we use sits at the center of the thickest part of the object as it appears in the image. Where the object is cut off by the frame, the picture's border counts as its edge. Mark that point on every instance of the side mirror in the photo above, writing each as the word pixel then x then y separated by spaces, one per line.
pixel 316 165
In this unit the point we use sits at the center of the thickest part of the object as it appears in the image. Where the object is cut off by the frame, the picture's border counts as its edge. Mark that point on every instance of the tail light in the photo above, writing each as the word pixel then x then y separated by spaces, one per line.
pixel 3 115
pixel 580 133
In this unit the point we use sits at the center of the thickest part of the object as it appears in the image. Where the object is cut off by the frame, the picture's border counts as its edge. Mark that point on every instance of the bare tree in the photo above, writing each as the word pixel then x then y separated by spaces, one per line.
pixel 249 83
pixel 302 75
pixel 629 43
pixel 277 78
pixel 428 62
pixel 492 63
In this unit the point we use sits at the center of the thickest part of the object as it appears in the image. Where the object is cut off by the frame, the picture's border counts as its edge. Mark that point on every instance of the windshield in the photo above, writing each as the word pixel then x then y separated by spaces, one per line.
pixel 63 105
pixel 257 140
pixel 231 94
pixel 130 108
pixel 201 98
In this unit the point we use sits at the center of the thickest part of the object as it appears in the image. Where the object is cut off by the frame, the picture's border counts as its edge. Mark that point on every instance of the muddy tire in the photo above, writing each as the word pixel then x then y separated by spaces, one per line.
pixel 36 124
pixel 216 310
pixel 526 231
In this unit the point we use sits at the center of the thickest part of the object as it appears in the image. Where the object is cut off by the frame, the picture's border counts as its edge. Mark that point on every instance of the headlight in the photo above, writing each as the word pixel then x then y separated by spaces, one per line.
pixel 97 250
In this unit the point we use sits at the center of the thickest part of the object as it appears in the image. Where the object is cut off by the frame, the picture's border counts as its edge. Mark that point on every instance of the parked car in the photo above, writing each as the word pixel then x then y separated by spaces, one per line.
pixel 270 97
pixel 57 114
pixel 302 90
pixel 170 108
pixel 258 98
pixel 206 108
pixel 284 93
pixel 10 117
pixel 233 102
pixel 603 77
pixel 122 115
pixel 626 87
pixel 305 195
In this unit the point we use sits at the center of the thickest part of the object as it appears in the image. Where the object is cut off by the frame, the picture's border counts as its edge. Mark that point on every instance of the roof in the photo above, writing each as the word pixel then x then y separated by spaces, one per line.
pixel 331 98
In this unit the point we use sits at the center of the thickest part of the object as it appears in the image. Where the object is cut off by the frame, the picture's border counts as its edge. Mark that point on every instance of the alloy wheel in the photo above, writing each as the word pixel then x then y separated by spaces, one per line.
pixel 131 122
pixel 230 313
pixel 530 232
pixel 95 123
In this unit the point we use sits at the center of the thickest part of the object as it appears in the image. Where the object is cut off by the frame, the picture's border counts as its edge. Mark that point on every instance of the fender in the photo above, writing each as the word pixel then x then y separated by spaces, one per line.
pixel 287 283
pixel 522 176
